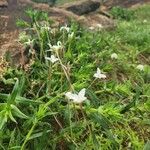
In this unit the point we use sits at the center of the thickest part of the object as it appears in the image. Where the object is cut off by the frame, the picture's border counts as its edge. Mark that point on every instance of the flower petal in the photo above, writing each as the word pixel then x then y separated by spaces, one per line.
pixel 82 93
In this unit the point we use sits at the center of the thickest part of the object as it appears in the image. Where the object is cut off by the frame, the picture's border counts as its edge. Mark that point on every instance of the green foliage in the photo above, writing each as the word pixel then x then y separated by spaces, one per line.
pixel 36 114
pixel 122 13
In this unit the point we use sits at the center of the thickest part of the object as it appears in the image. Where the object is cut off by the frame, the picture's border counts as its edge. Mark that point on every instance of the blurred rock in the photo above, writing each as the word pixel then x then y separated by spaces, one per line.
pixel 13 49
pixel 83 7
pixel 3 3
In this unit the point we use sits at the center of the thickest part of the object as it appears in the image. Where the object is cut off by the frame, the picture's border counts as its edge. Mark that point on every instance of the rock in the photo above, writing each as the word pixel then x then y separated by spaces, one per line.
pixel 3 3
pixel 83 7
pixel 12 48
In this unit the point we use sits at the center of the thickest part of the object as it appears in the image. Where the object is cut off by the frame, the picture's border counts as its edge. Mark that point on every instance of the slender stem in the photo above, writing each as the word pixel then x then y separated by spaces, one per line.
pixel 65 72
pixel 68 78
pixel 92 83
pixel 49 77
pixel 28 136
pixel 85 120
pixel 70 119
pixel 58 122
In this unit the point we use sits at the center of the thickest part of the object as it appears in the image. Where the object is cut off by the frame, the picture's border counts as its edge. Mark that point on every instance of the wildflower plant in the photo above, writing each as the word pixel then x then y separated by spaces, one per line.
pixel 63 102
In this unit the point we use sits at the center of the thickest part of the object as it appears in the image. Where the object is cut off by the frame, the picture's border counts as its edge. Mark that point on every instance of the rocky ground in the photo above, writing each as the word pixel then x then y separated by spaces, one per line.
pixel 87 12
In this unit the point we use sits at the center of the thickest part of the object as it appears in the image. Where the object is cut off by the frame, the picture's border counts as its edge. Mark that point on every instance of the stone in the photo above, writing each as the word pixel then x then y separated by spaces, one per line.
pixel 83 7
pixel 3 3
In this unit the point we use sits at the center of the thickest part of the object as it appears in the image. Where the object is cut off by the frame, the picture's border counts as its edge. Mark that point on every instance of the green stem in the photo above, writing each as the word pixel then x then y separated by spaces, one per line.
pixel 28 136
pixel 66 74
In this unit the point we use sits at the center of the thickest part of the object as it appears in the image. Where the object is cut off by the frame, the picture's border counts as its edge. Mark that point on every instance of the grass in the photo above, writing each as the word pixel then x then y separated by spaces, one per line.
pixel 36 114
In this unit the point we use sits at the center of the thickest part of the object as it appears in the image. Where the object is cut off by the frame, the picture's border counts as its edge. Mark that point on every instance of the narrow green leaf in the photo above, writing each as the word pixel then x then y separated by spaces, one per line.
pixel 11 117
pixel 4 96
pixel 15 148
pixel 147 146
pixel 102 120
pixel 17 112
pixel 2 106
pixel 3 118
pixel 12 138
pixel 24 100
pixel 36 135
pixel 20 99
pixel 132 103
pixel 14 93
pixel 21 86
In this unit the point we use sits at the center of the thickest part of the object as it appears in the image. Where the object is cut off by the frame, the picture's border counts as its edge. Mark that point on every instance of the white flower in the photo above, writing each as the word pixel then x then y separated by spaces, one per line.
pixel 144 21
pixel 99 75
pixel 45 27
pixel 55 47
pixel 114 56
pixel 100 26
pixel 29 42
pixel 53 59
pixel 70 36
pixel 53 31
pixel 65 28
pixel 77 98
pixel 91 28
pixel 140 67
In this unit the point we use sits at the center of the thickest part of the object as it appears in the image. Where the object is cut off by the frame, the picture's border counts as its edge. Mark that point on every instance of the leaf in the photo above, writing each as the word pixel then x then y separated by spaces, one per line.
pixel 3 118
pixel 147 146
pixel 22 23
pixel 4 96
pixel 2 106
pixel 8 81
pixel 17 112
pixel 128 107
pixel 21 86
pixel 110 136
pixel 2 122
pixel 93 98
pixel 15 148
pixel 11 117
pixel 132 103
pixel 36 135
pixel 24 100
pixel 12 138
pixel 96 142
pixel 99 118
pixel 14 93
pixel 20 99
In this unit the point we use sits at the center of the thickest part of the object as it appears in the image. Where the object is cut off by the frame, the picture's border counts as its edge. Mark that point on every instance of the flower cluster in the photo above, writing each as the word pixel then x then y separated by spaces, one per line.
pixel 80 96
